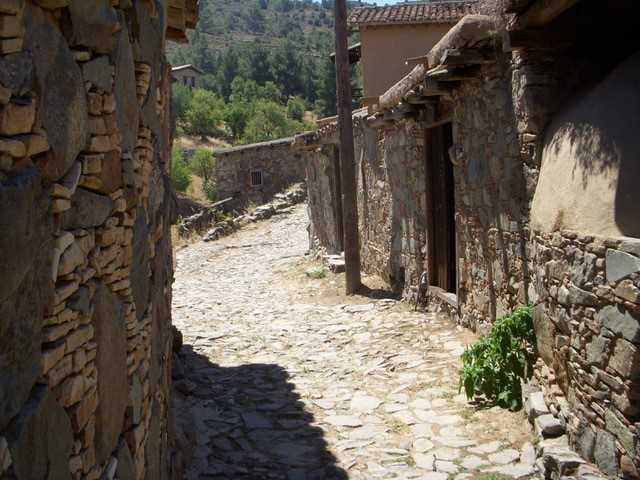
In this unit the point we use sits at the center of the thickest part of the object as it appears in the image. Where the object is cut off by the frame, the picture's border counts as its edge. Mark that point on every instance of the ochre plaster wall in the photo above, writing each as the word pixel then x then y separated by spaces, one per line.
pixel 385 50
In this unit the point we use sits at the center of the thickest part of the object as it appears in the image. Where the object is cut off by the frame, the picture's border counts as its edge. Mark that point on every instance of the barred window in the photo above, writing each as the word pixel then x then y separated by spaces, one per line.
pixel 256 178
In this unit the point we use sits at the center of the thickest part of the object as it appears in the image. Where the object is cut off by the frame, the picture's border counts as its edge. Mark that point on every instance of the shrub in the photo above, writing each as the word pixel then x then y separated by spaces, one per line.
pixel 496 364
pixel 179 171
pixel 203 165
pixel 205 112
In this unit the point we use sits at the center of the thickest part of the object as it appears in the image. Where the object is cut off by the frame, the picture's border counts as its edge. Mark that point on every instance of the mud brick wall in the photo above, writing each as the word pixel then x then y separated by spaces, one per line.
pixel 86 266
pixel 390 170
pixel 280 164
pixel 587 319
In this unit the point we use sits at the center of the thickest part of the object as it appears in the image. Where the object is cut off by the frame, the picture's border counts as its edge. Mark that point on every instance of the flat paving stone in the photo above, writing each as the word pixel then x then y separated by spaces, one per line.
pixel 283 377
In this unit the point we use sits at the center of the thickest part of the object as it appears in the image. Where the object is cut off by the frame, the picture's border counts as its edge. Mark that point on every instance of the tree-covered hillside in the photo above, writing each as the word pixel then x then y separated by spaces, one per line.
pixel 286 42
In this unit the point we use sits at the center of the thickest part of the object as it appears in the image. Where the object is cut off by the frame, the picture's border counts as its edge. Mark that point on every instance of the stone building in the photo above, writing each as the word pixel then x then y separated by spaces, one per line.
pixel 187 75
pixel 86 264
pixel 255 173
pixel 500 171
pixel 392 34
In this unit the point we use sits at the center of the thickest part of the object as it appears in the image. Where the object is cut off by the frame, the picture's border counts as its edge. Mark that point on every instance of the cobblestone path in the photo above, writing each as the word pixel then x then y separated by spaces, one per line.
pixel 278 380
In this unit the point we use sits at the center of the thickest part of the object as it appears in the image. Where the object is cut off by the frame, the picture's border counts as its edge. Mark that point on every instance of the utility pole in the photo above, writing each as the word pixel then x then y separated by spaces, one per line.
pixel 347 160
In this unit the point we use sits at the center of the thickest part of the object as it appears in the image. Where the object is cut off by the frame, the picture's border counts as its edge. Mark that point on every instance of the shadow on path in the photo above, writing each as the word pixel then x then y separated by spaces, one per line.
pixel 249 423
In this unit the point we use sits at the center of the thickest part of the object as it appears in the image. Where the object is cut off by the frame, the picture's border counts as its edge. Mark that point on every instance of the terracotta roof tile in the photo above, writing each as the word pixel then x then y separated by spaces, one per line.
pixel 408 13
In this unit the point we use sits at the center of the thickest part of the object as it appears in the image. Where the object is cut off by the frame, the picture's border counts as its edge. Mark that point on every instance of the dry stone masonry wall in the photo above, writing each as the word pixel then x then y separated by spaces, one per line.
pixel 276 164
pixel 392 201
pixel 587 319
pixel 85 337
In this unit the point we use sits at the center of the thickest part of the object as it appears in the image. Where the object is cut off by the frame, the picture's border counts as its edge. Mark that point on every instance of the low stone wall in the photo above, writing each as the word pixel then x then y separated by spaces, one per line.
pixel 587 318
pixel 279 165
pixel 85 339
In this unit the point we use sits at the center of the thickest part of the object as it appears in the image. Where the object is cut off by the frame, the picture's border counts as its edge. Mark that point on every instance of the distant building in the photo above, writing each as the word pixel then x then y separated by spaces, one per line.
pixel 256 173
pixel 391 34
pixel 187 75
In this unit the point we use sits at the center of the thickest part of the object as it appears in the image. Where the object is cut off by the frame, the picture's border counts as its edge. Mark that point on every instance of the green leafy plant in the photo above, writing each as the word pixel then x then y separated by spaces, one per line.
pixel 180 176
pixel 496 364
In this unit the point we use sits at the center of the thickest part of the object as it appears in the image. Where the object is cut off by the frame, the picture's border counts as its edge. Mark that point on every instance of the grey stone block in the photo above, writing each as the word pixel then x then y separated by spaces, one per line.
pixel 124 90
pixel 62 104
pixel 111 362
pixel 605 454
pixel 548 426
pixel 93 24
pixel 627 439
pixel 617 319
pixel 536 406
pixel 620 265
pixel 99 72
pixel 88 210
pixel 630 246
pixel 40 439
pixel 586 442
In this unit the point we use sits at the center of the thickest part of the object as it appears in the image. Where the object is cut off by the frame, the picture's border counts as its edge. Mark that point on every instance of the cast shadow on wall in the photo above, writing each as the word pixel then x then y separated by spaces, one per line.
pixel 248 423
pixel 592 152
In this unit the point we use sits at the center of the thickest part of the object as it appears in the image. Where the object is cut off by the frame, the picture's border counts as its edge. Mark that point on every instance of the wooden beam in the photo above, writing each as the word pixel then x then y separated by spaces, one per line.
pixel 449 74
pixel 346 152
pixel 543 12
pixel 416 60
pixel 456 57
pixel 469 31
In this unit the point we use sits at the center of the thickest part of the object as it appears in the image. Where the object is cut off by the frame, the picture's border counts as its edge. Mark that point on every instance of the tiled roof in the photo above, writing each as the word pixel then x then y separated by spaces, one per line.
pixel 411 13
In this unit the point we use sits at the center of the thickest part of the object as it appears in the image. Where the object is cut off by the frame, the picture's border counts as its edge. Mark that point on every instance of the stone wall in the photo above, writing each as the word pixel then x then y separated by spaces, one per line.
pixel 587 319
pixel 492 188
pixel 323 199
pixel 280 165
pixel 390 166
pixel 390 171
pixel 86 268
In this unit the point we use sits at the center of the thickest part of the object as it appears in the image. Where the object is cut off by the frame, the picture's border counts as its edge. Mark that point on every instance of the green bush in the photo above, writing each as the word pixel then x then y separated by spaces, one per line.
pixel 203 165
pixel 180 176
pixel 205 113
pixel 496 364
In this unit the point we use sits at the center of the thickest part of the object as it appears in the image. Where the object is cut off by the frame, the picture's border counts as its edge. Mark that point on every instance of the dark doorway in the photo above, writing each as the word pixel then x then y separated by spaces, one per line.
pixel 441 233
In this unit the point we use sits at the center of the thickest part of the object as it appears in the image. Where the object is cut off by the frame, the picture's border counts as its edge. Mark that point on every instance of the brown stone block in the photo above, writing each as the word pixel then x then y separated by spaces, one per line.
pixel 96 103
pixel 10 26
pixel 79 337
pixel 16 119
pixel 91 182
pixel 11 7
pixel 72 390
pixel 111 174
pixel 99 144
pixel 61 371
pixel 51 355
pixel 5 95
pixel 13 147
pixel 82 412
pixel 97 126
pixel 10 45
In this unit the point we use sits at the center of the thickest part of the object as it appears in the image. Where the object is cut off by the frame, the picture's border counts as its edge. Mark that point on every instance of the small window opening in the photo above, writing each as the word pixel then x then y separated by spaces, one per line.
pixel 256 178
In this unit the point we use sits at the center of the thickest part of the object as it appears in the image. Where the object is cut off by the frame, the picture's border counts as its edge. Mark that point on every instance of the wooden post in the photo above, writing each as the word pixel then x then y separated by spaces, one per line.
pixel 347 160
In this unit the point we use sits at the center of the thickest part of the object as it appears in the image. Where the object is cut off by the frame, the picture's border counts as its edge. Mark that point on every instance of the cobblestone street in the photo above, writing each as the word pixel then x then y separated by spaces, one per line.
pixel 282 377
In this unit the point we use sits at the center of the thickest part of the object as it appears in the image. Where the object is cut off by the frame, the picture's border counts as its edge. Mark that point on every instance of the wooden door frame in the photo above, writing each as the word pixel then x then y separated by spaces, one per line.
pixel 437 157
